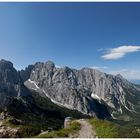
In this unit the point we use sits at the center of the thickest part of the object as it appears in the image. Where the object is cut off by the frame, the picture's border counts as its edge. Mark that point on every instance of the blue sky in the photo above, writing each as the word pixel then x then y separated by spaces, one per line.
pixel 105 36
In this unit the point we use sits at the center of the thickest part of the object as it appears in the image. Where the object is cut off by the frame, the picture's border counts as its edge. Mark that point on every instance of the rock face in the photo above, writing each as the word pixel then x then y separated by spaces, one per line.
pixel 11 84
pixel 25 74
pixel 7 132
pixel 86 90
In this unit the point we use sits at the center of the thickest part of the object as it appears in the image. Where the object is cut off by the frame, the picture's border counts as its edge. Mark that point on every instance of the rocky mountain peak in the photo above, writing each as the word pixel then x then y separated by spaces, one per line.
pixel 8 73
pixel 119 75
pixel 11 84
pixel 66 69
pixel 46 65
pixel 5 64
pixel 50 64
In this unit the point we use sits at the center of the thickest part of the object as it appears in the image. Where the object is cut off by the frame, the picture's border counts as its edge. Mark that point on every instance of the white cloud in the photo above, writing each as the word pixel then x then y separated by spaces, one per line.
pixel 119 52
pixel 97 67
pixel 130 74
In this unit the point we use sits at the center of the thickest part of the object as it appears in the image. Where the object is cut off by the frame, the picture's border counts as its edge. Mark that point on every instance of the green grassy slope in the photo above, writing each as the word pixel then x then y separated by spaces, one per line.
pixel 108 129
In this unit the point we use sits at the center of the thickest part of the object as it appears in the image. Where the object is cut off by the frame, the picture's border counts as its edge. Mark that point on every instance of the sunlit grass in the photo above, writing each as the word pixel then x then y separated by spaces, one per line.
pixel 104 128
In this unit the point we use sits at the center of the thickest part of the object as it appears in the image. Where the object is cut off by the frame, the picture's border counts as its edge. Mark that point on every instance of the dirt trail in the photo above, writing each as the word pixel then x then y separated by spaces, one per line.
pixel 86 130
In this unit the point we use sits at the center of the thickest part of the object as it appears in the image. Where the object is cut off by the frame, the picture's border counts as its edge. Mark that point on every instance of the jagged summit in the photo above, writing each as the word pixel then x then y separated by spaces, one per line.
pixel 5 63
pixel 50 63
pixel 119 75
pixel 10 82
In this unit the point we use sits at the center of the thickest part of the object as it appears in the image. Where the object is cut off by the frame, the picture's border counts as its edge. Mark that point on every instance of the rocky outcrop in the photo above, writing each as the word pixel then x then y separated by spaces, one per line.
pixel 7 132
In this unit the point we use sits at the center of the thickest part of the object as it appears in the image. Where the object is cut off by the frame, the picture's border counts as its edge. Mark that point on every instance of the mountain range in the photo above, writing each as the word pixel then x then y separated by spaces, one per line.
pixel 49 94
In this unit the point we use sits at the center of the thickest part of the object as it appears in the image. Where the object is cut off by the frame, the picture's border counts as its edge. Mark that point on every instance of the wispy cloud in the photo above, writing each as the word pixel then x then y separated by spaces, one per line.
pixel 119 52
pixel 130 74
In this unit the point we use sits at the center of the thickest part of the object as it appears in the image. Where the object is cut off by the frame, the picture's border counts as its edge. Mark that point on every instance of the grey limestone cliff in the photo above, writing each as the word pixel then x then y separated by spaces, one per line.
pixel 11 85
pixel 86 90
